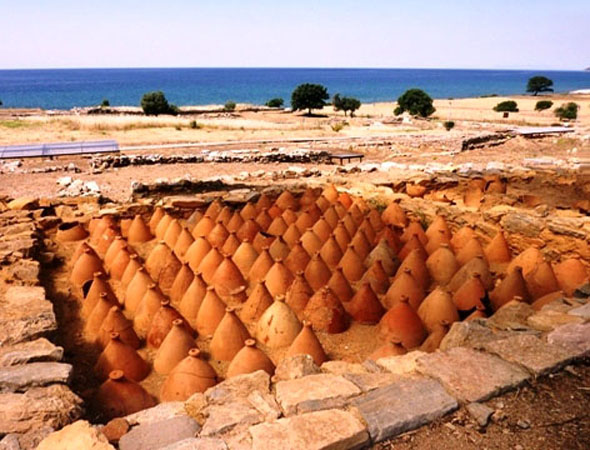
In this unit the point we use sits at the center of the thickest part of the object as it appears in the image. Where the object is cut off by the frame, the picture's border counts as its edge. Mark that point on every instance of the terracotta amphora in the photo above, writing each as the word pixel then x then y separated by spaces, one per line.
pixel 132 267
pixel 248 211
pixel 323 203
pixel 119 264
pixel 235 223
pixel 174 348
pixel 289 216
pixel 172 233
pixel 260 267
pixel 412 244
pixel 352 265
pixel 333 214
pixel 330 193
pixel 279 249
pixel 138 231
pixel 325 312
pixel 365 307
pixel 98 227
pixel 70 232
pixel 183 243
pixel 147 309
pixel 470 250
pixel 118 355
pixel 402 323
pixel 119 396
pixel 156 260
pixel 414 229
pixel 342 236
pixel 384 253
pixel 210 313
pixel 298 258
pixel 189 376
pixel 470 294
pixel 437 307
pixel 292 235
pixel 375 220
pixel 157 215
pixel 193 219
pixel 299 294
pixel 511 286
pixel 340 286
pixel 434 230
pixel 203 227
pixel 278 326
pixel 377 278
pixel 404 286
pixel 390 348
pixel 227 278
pixel 345 199
pixel 231 244
pixel 546 299
pixel 476 265
pixel 311 242
pixel 244 257
pixel 417 267
pixel 368 233
pixel 169 272
pixel 209 265
pixel 317 272
pixel 229 337
pixel 263 202
pixel 162 323
pixel 98 315
pixel 286 200
pixel 541 280
pixel 394 215
pixel 116 322
pixel 263 219
pixel 462 237
pixel 442 265
pixel 136 289
pixel 263 240
pixel 81 248
pixel 361 245
pixel 322 229
pixel 570 274
pixel 527 260
pixel 214 208
pixel 98 285
pixel 248 230
pixel 192 299
pixel 196 252
pixel 248 360
pixel 350 224
pixel 86 265
pixel 162 226
pixel 391 238
pixel 182 282
pixel 225 215
pixel 436 241
pixel 307 343
pixel 331 253
pixel 278 279
pixel 258 301
pixel 218 235
pixel 435 337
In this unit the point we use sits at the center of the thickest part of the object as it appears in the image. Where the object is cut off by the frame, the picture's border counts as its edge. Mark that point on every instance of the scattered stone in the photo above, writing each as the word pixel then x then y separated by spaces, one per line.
pixel 473 334
pixel 314 392
pixel 321 430
pixel 33 438
pixel 342 367
pixel 583 291
pixel 238 387
pixel 521 223
pixel 224 418
pixel 581 311
pixel 155 435
pixel 470 375
pixel 22 378
pixel 295 367
pixel 197 444
pixel 115 429
pixel 524 424
pixel 574 337
pixel 403 406
pixel 53 406
pixel 368 381
pixel 265 404
pixel 548 320
pixel 26 352
pixel 481 413
pixel 163 411
pixel 79 435
pixel 401 365
pixel 512 316
pixel 24 203
pixel 25 271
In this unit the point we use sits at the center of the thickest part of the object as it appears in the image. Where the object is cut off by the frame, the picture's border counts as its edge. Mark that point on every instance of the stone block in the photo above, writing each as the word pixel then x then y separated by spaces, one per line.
pixel 155 435
pixel 314 392
pixel 342 367
pixel 574 337
pixel 224 418
pixel 581 311
pixel 470 375
pixel 401 365
pixel 26 352
pixel 238 387
pixel 548 320
pixel 79 435
pixel 512 316
pixel 24 271
pixel 295 367
pixel 480 412
pixel 22 378
pixel 534 354
pixel 403 406
pixel 322 430
pixel 368 381
pixel 163 411
pixel 197 444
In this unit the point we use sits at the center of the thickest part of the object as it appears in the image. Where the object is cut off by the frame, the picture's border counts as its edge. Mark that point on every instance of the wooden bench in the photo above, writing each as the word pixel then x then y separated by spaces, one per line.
pixel 346 157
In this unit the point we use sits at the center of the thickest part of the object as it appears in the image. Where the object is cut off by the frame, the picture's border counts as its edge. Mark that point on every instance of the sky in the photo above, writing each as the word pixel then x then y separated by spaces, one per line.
pixel 494 34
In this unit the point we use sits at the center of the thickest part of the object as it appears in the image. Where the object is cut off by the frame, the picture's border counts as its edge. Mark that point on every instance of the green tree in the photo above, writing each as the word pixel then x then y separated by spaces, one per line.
pixel 506 106
pixel 346 104
pixel 539 84
pixel 230 105
pixel 275 103
pixel 449 125
pixel 155 103
pixel 542 105
pixel 309 96
pixel 568 111
pixel 1 103
pixel 105 103
pixel 416 102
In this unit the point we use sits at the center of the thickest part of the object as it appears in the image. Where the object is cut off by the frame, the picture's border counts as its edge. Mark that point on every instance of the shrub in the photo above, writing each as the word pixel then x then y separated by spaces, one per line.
pixel 542 105
pixel 346 104
pixel 539 84
pixel 155 103
pixel 309 96
pixel 194 125
pixel 416 102
pixel 338 126
pixel 449 125
pixel 229 106
pixel 506 106
pixel 568 111
pixel 275 103
pixel 105 103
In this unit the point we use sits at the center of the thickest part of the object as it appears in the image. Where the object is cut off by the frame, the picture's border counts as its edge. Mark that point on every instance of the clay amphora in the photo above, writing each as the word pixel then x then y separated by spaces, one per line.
pixel 86 265
pixel 248 211
pixel 331 253
pixel 286 200
pixel 299 294
pixel 365 306
pixel 394 215
pixel 369 233
pixel 210 313
pixel 436 241
pixel 157 215
pixel 330 193
pixel 224 215
pixel 138 231
pixel 511 286
pixel 278 326
pixel 203 227
pixel 322 203
pixel 442 265
pixel 417 267
pixel 116 322
pixel 279 249
pixel 263 202
pixel 189 376
pixel 414 229
pixel 332 217
pixel 291 235
pixel 462 237
pixel 183 280
pixel 438 225
pixel 345 199
pixel 402 323
pixel 546 299
pixel 390 348
pixel 325 312
pixel 412 244
pixel 274 212
pixel 527 260
pixel 437 334
pixel 163 226
pixel 156 260
pixel 244 257
pixel 415 190
pixel 248 230
pixel 209 265
pixel 227 278
pixel 169 272
pixel 384 253
pixel 174 348
pixel 258 301
pixel 172 233
pixel 541 280
pixel 132 266
pixel 289 216
pixel 262 240
pixel 119 396
pixel 349 223
pixel 231 244
pixel 340 286
pixel 352 265
pixel 136 289
pixel 248 360
pixel 317 273
pixel 96 231
pixel 470 250
pixel 377 278
pixel 375 221
pixel 570 274
pixel 218 235
pixel 194 219
pixel 70 232
pixel 183 243
pixel 214 209
pixel 118 355
pixel 470 294
pixel 263 220
pixel 229 337
pixel 235 223
pixel 162 323
pixel 120 263
pixel 309 197
pixel 278 279
pixel 147 309
pixel 97 316
pixel 476 265
pixel 196 252
pixel 97 286
pixel 437 307
pixel 342 236
pixel 473 197
pixel 298 258
pixel 82 247
pixel 404 286
pixel 361 244
pixel 311 242
pixel 260 267
pixel 391 238
pixel 192 299
pixel 322 229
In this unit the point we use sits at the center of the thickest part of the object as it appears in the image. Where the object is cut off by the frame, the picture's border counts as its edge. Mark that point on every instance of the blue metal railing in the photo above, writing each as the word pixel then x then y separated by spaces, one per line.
pixel 58 149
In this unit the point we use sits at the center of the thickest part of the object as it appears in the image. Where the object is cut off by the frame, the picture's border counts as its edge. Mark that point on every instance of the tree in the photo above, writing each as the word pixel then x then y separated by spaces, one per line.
pixel 506 106
pixel 449 125
pixel 229 106
pixel 154 103
pixel 416 102
pixel 346 104
pixel 568 111
pixel 275 103
pixel 539 84
pixel 309 96
pixel 1 103
pixel 105 103
pixel 542 105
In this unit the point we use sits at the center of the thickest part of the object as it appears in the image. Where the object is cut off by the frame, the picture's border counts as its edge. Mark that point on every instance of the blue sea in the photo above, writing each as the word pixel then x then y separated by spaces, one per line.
pixel 68 88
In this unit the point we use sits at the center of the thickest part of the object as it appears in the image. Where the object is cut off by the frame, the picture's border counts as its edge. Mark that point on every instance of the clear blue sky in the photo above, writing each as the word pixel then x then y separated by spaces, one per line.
pixel 527 34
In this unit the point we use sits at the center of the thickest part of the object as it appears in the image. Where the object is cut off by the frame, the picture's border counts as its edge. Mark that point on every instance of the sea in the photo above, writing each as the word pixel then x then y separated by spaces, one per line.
pixel 69 88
